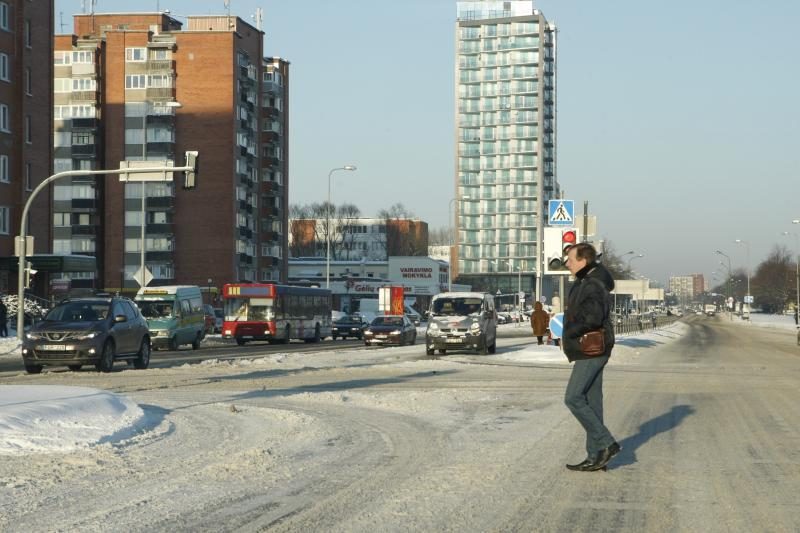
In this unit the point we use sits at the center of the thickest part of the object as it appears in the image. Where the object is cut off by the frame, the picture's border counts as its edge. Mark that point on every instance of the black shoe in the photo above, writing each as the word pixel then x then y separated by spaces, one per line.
pixel 585 466
pixel 604 456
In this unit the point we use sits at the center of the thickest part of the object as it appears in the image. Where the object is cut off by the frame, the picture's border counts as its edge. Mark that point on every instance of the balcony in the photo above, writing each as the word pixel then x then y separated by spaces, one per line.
pixel 84 123
pixel 84 96
pixel 269 161
pixel 160 93
pixel 159 256
pixel 160 202
pixel 270 136
pixel 83 204
pixel 246 259
pixel 84 151
pixel 270 87
pixel 84 230
pixel 270 211
pixel 245 232
pixel 270 236
pixel 162 229
pixel 163 65
pixel 271 187
pixel 166 149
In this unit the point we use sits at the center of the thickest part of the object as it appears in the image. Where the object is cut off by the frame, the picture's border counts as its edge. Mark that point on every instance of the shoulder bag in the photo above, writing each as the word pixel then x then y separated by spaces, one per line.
pixel 593 343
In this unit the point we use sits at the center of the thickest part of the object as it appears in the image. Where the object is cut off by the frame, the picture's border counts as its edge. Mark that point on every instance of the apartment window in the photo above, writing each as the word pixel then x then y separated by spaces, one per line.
pixel 159 54
pixel 83 57
pixel 62 58
pixel 61 219
pixel 4 169
pixel 28 177
pixel 28 132
pixel 27 33
pixel 5 226
pixel 135 81
pixel 4 119
pixel 82 138
pixel 135 54
pixel 4 16
pixel 159 80
pixel 4 67
pixel 84 84
pixel 62 246
pixel 28 81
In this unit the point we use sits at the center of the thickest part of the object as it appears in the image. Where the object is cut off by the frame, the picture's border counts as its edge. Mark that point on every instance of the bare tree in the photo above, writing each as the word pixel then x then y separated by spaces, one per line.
pixel 773 283
pixel 439 237
pixel 404 236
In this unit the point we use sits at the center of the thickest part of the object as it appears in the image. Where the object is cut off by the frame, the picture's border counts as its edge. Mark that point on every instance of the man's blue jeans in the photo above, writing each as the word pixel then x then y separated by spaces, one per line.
pixel 584 397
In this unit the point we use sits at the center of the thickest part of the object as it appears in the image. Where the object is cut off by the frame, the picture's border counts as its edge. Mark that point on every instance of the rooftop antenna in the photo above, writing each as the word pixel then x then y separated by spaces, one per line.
pixel 228 8
pixel 61 21
pixel 258 17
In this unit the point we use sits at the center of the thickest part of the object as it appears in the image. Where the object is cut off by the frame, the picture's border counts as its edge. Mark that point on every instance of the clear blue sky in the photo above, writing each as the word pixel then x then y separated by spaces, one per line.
pixel 679 121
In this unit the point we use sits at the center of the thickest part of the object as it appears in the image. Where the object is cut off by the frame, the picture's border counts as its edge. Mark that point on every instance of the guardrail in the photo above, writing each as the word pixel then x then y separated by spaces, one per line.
pixel 640 324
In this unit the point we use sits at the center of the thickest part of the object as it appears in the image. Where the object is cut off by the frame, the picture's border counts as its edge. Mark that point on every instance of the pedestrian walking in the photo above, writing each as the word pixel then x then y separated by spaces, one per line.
pixel 539 322
pixel 3 318
pixel 588 310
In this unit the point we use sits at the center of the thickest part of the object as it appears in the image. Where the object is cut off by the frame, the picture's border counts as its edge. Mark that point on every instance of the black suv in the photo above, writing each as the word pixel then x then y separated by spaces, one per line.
pixel 88 331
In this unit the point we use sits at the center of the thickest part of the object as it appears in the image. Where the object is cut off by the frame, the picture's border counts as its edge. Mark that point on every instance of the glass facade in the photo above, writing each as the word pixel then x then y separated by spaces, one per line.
pixel 505 93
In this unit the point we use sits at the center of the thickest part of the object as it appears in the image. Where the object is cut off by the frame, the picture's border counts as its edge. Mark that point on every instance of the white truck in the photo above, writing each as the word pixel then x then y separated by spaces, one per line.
pixel 711 309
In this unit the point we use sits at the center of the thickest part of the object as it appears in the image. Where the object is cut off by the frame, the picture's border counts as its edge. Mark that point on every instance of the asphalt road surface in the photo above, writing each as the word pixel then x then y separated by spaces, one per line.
pixel 387 440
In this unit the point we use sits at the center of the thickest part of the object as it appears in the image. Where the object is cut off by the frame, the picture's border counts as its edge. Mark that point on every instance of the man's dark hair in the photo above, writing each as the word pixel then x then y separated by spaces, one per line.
pixel 584 250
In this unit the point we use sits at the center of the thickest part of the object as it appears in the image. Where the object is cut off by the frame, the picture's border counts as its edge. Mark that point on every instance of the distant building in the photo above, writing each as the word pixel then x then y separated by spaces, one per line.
pixel 683 287
pixel 698 284
pixel 505 139
pixel 140 86
pixel 371 239
pixel 26 129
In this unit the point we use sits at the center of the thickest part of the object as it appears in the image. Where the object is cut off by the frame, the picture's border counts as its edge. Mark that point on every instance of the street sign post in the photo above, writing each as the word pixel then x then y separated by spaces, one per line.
pixel 562 212
pixel 557 326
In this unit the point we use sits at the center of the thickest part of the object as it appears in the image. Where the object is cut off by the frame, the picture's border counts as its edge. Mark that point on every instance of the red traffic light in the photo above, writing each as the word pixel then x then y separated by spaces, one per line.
pixel 569 237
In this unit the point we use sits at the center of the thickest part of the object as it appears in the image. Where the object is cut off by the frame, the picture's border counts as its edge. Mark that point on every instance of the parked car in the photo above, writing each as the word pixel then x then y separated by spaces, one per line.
pixel 84 331
pixel 349 326
pixel 219 318
pixel 209 319
pixel 390 330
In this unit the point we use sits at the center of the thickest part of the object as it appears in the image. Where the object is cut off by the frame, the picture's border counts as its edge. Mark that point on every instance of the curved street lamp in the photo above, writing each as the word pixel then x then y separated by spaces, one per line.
pixel 328 225
pixel 747 245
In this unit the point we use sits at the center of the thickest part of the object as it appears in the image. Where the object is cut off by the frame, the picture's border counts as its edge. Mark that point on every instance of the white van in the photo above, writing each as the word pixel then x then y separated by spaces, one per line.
pixel 174 315
pixel 462 320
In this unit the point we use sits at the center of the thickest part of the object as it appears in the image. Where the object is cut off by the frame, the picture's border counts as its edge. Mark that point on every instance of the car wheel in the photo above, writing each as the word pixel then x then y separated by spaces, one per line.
pixel 142 360
pixel 402 340
pixel 33 369
pixel 74 368
pixel 429 351
pixel 316 336
pixel 173 343
pixel 106 363
pixel 240 341
pixel 196 341
pixel 414 338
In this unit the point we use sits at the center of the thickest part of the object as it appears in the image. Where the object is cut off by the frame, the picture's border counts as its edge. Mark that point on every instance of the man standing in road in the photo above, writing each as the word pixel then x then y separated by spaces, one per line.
pixel 588 309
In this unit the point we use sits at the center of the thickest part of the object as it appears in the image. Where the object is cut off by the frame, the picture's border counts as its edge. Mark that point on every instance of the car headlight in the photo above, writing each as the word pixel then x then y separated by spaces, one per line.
pixel 475 328
pixel 88 335
pixel 367 332
pixel 32 336
pixel 396 332
pixel 433 326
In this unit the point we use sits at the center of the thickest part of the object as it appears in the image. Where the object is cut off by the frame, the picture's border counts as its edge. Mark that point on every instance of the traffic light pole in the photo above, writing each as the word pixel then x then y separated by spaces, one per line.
pixel 23 224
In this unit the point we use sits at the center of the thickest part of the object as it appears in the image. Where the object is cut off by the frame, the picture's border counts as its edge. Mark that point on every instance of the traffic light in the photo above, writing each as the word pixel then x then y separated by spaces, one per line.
pixel 557 242
pixel 190 176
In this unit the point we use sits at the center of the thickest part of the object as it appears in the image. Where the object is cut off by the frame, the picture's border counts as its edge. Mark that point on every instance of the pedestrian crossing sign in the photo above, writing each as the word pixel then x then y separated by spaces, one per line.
pixel 562 212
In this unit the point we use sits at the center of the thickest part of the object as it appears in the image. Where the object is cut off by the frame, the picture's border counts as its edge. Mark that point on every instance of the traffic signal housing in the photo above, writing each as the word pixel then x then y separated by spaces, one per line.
pixel 557 242
pixel 190 176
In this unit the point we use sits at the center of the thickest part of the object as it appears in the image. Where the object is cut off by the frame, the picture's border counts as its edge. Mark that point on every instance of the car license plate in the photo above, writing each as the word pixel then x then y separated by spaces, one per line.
pixel 53 347
pixel 380 336
pixel 453 340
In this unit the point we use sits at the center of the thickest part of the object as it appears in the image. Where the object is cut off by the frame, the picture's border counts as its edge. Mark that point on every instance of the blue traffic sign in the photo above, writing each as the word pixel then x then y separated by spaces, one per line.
pixel 562 212
pixel 557 326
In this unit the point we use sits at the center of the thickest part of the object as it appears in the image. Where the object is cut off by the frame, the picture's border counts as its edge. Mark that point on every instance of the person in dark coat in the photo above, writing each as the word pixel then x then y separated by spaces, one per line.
pixel 588 308
pixel 3 318
pixel 539 321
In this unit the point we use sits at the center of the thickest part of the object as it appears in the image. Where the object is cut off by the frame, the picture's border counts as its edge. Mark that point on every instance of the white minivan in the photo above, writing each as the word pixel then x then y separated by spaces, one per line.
pixel 462 320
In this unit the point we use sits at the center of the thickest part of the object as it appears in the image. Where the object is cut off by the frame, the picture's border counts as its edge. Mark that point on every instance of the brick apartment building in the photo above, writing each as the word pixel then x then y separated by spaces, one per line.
pixel 26 44
pixel 140 86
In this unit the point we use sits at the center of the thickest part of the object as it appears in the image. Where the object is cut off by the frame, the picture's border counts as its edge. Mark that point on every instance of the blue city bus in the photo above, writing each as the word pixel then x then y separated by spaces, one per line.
pixel 275 313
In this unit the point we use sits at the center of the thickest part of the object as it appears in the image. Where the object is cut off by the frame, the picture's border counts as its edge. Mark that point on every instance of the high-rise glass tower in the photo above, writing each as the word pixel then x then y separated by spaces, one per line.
pixel 506 141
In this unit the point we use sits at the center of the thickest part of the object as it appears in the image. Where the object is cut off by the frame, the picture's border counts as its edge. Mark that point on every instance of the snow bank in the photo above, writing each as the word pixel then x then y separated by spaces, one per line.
pixel 48 418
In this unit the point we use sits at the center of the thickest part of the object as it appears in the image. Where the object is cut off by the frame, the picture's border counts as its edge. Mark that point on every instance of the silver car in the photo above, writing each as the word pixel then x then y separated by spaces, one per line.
pixel 462 321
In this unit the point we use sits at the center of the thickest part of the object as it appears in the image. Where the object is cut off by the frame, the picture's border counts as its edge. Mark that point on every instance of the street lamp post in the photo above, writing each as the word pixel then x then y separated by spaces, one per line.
pixel 730 274
pixel 747 245
pixel 615 290
pixel 637 256
pixel 797 268
pixel 328 225
pixel 210 301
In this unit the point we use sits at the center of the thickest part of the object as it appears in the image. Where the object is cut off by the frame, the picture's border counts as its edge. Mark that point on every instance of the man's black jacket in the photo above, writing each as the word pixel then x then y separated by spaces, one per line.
pixel 587 309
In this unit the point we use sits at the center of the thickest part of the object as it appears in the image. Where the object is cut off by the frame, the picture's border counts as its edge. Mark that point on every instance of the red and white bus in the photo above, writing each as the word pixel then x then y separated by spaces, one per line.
pixel 275 313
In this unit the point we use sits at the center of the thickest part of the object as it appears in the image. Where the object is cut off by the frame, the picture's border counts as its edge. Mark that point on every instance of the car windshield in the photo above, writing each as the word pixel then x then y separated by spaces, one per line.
pixel 388 321
pixel 156 309
pixel 219 313
pixel 348 319
pixel 456 306
pixel 78 312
